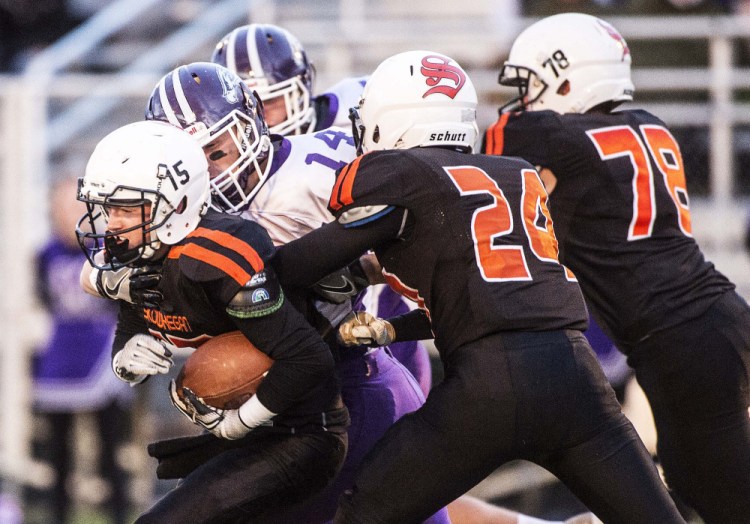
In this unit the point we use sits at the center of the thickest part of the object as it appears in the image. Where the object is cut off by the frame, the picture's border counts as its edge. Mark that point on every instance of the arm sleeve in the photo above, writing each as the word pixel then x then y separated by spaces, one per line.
pixel 129 322
pixel 414 325
pixel 302 360
pixel 302 262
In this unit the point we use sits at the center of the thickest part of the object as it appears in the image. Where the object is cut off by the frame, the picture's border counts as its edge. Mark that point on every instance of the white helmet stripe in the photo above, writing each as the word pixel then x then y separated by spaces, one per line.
pixel 181 100
pixel 231 60
pixel 164 99
pixel 252 54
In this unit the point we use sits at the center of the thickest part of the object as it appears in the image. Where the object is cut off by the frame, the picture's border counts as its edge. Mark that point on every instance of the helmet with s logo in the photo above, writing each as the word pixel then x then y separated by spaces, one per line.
pixel 154 168
pixel 416 99
pixel 568 63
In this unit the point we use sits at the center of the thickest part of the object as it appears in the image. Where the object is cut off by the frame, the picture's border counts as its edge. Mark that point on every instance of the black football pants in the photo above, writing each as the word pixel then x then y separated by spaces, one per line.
pixel 535 396
pixel 242 484
pixel 695 377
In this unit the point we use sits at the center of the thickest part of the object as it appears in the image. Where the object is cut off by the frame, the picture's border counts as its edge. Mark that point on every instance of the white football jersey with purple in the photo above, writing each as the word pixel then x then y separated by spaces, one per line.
pixel 294 199
pixel 340 97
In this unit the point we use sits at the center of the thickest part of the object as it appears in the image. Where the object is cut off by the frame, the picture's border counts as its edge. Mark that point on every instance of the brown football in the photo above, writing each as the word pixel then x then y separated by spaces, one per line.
pixel 225 371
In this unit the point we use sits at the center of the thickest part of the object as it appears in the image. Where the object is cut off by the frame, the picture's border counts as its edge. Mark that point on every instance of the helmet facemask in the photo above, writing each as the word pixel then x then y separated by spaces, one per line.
pixel 522 78
pixel 234 187
pixel 358 129
pixel 300 116
pixel 568 63
pixel 109 250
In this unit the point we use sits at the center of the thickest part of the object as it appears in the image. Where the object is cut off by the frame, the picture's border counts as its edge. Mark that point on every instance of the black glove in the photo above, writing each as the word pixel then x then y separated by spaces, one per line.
pixel 340 286
pixel 134 285
pixel 144 281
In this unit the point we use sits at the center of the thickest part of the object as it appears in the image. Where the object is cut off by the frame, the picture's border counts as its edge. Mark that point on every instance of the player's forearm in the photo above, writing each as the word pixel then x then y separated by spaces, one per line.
pixel 414 325
pixel 302 361
pixel 303 262
pixel 129 322
pixel 289 382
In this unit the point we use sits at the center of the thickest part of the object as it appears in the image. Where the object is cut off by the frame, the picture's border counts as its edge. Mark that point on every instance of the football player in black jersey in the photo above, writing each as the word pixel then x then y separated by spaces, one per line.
pixel 621 212
pixel 146 187
pixel 469 238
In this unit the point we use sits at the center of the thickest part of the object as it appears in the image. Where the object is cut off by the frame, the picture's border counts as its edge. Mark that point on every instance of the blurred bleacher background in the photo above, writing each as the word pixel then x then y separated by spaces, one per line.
pixel 74 70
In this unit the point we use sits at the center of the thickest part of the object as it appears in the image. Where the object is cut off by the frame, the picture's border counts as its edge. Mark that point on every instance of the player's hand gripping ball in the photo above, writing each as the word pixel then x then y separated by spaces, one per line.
pixel 225 371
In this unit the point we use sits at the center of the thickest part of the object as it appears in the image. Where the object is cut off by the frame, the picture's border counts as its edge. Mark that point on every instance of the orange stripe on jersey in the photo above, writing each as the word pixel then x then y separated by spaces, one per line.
pixel 212 258
pixel 231 242
pixel 219 261
pixel 341 194
pixel 496 136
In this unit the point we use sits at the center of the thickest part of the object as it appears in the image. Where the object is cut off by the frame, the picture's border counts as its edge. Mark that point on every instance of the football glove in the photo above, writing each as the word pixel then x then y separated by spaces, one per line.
pixel 229 424
pixel 134 285
pixel 360 328
pixel 340 286
pixel 142 356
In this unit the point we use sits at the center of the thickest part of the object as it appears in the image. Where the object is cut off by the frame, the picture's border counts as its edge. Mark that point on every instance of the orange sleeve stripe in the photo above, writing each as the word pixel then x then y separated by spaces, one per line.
pixel 341 194
pixel 496 135
pixel 333 202
pixel 231 242
pixel 212 258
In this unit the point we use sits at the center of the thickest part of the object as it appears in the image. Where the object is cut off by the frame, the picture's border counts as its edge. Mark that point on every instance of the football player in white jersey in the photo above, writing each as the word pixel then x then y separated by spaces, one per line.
pixel 272 61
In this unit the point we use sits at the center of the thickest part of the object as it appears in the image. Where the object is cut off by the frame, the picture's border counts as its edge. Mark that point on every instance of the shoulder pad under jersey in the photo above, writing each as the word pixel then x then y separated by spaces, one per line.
pixel 229 247
pixel 362 215
pixel 260 296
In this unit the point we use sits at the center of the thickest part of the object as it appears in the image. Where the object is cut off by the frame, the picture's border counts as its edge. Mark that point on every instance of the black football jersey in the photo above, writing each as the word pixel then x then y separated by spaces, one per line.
pixel 204 272
pixel 201 276
pixel 479 251
pixel 621 213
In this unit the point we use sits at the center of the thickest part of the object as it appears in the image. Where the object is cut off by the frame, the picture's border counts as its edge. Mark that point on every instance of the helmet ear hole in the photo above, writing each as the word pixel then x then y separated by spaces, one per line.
pixel 376 135
pixel 564 88
pixel 182 205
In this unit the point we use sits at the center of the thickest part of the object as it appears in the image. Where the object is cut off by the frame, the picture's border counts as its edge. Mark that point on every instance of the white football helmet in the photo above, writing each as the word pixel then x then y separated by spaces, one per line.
pixel 416 99
pixel 144 164
pixel 568 63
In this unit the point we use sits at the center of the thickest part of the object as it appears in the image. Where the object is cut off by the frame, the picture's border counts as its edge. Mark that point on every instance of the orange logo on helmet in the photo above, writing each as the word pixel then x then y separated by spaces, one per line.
pixel 437 68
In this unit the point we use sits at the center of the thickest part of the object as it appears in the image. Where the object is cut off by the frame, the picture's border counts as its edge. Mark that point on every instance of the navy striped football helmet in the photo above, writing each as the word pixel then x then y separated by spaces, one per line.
pixel 213 104
pixel 271 61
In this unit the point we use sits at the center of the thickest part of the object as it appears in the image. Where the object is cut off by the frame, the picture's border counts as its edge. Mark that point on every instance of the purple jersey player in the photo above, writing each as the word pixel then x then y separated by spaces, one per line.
pixel 271 61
